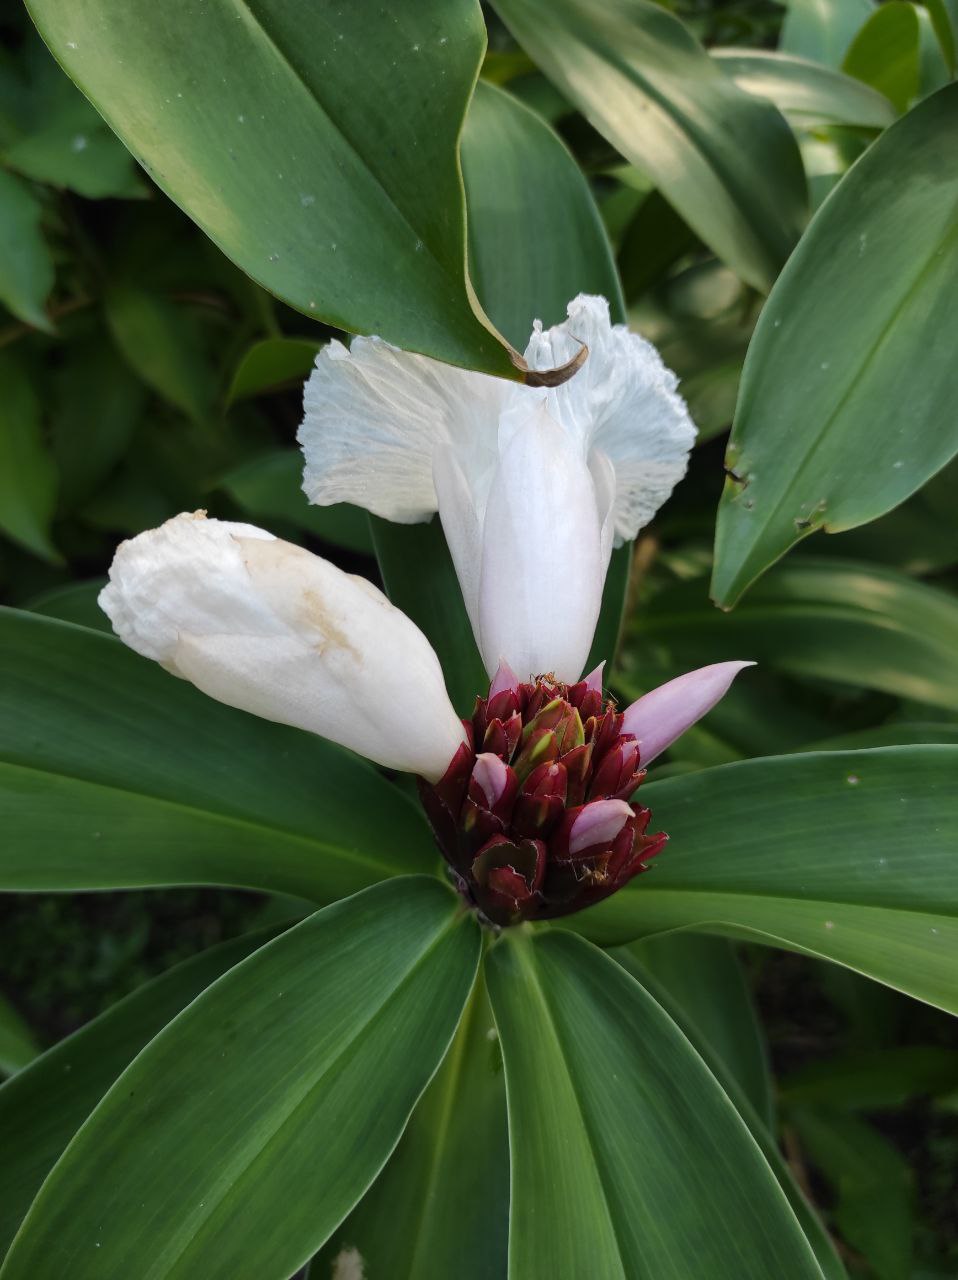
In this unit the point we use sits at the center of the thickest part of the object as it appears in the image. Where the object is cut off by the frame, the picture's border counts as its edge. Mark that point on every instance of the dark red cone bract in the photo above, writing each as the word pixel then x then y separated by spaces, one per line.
pixel 534 815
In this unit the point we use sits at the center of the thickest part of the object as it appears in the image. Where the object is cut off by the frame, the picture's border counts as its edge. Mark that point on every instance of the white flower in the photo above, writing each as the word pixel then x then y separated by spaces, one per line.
pixel 269 628
pixel 532 485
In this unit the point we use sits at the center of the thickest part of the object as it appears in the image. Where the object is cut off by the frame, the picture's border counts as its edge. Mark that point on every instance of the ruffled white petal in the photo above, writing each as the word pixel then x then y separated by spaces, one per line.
pixel 373 416
pixel 623 401
pixel 542 569
pixel 269 628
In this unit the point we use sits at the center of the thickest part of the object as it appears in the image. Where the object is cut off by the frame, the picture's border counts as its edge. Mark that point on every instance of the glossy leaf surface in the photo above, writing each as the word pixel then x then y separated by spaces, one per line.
pixel 823 29
pixel 441 1205
pixel 848 856
pixel 43 1107
pixel 808 94
pixel 860 624
pixel 822 436
pixel 179 789
pixel 603 1090
pixel 282 129
pixel 253 1123
pixel 725 160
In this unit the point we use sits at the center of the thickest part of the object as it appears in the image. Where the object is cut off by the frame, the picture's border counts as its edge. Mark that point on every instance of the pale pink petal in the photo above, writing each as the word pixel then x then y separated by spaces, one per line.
pixel 665 713
pixel 594 679
pixel 491 775
pixel 598 823
pixel 505 678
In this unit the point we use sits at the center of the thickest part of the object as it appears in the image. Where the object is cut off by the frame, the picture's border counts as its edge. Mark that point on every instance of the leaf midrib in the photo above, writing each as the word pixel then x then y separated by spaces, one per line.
pixel 340 852
pixel 523 954
pixel 229 1176
pixel 796 474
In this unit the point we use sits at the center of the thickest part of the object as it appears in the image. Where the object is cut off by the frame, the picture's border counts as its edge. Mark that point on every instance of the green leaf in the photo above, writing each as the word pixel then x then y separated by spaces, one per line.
pixel 846 855
pixel 944 20
pixel 270 487
pixel 271 364
pixel 529 209
pixel 874 1079
pixel 441 1205
pixel 250 1126
pixel 97 406
pixel 885 52
pixel 704 976
pixel 654 238
pixel 822 30
pixel 628 1160
pixel 43 1106
pixel 177 790
pixel 28 477
pixel 76 602
pixel 873 1187
pixel 73 148
pixel 897 733
pixel 159 344
pixel 821 619
pixel 26 266
pixel 808 94
pixel 807 1216
pixel 284 130
pixel 726 161
pixel 536 241
pixel 17 1045
pixel 819 438
pixel 419 577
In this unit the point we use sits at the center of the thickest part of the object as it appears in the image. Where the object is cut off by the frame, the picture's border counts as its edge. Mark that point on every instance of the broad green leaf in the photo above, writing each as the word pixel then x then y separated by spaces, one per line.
pixel 628 1160
pixel 654 238
pixel 894 734
pixel 98 403
pixel 26 265
pixel 858 319
pixel 76 602
pixel 28 477
pixel 270 364
pixel 934 71
pixel 529 207
pixel 17 1043
pixel 270 487
pixel 807 1216
pixel 531 254
pixel 860 624
pixel 885 52
pixel 284 128
pixel 944 20
pixel 157 340
pixel 441 1205
pixel 703 975
pixel 250 1126
pixel 846 855
pixel 822 30
pixel 808 94
pixel 872 1185
pixel 43 1106
pixel 419 577
pixel 872 1080
pixel 72 147
pixel 725 160
pixel 179 789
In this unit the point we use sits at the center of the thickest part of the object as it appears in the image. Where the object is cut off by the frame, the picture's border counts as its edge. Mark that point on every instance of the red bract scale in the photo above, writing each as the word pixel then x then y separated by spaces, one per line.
pixel 534 815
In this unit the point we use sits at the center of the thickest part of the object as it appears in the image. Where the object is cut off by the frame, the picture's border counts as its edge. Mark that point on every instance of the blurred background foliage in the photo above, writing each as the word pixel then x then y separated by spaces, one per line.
pixel 142 374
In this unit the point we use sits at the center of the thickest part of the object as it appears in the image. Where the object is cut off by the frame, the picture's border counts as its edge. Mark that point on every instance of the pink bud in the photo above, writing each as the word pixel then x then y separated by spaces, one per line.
pixel 665 713
pixel 505 678
pixel 598 823
pixel 492 777
pixel 593 681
